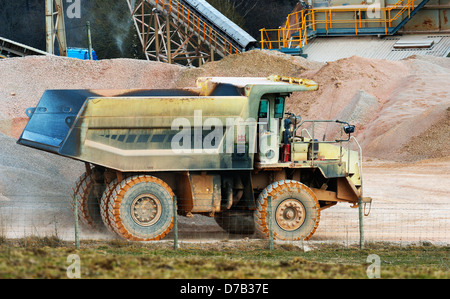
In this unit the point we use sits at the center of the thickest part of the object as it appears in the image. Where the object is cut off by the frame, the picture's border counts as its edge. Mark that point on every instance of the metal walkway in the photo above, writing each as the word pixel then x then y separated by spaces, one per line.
pixel 189 30
pixel 351 20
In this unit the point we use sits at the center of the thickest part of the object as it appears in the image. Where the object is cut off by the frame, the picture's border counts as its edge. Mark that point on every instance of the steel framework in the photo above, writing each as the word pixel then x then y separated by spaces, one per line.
pixel 304 24
pixel 173 33
pixel 55 27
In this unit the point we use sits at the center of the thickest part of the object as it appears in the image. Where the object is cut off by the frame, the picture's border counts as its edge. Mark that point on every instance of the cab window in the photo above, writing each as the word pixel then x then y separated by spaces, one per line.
pixel 279 107
pixel 263 109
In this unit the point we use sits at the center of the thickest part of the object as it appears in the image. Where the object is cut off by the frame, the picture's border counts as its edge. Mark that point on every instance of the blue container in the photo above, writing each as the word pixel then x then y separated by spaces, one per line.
pixel 80 53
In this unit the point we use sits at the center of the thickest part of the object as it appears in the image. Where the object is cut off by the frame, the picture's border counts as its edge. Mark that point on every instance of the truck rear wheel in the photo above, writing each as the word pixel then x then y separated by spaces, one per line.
pixel 295 211
pixel 88 192
pixel 141 208
pixel 105 204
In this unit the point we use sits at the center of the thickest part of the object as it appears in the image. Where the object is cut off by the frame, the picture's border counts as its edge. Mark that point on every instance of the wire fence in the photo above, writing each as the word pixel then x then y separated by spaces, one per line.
pixel 398 223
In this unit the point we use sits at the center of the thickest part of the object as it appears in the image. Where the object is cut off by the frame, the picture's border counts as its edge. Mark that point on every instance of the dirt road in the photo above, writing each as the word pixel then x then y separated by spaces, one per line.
pixel 411 203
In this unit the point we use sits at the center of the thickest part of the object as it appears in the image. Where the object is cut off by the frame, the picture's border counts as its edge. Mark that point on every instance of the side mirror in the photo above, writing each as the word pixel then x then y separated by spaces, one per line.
pixel 349 129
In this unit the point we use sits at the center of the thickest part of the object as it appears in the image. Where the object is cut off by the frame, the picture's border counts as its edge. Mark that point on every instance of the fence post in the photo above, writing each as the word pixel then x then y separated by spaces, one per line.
pixel 175 223
pixel 269 210
pixel 88 26
pixel 75 215
pixel 361 224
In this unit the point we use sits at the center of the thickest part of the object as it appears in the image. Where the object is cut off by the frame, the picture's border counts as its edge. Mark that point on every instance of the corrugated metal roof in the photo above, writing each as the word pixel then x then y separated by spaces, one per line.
pixel 334 48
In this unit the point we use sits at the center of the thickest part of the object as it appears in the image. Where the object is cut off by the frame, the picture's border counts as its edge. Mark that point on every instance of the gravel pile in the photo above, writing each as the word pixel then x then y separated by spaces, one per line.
pixel 255 63
pixel 390 102
pixel 24 80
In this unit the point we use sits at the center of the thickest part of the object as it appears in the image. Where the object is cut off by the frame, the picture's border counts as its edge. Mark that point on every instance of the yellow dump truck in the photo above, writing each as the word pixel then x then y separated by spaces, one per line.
pixel 223 148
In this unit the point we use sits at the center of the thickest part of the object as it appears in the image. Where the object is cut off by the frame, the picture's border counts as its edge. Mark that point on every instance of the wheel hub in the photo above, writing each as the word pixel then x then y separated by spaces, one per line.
pixel 290 214
pixel 146 210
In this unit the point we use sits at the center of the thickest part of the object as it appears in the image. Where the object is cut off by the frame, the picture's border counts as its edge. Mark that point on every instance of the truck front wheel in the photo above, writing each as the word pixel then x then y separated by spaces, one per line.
pixel 295 212
pixel 141 208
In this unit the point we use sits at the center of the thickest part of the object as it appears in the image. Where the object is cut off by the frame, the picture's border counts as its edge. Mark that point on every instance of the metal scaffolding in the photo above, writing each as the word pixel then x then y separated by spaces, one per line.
pixel 185 32
pixel 55 27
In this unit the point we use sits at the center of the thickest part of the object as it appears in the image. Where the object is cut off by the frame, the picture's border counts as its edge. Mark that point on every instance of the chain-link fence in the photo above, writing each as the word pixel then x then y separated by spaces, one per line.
pixel 399 223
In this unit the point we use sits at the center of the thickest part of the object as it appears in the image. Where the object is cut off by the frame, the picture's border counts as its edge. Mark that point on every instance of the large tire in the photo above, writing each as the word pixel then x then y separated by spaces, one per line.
pixel 141 208
pixel 105 203
pixel 236 222
pixel 295 211
pixel 88 192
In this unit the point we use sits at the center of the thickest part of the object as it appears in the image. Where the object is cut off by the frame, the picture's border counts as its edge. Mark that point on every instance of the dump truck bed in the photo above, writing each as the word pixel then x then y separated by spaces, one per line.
pixel 155 130
pixel 132 131
pixel 53 118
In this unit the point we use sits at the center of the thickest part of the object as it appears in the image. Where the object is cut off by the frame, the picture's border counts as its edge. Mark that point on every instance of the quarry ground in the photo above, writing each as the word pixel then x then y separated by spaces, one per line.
pixel 411 203
pixel 401 110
